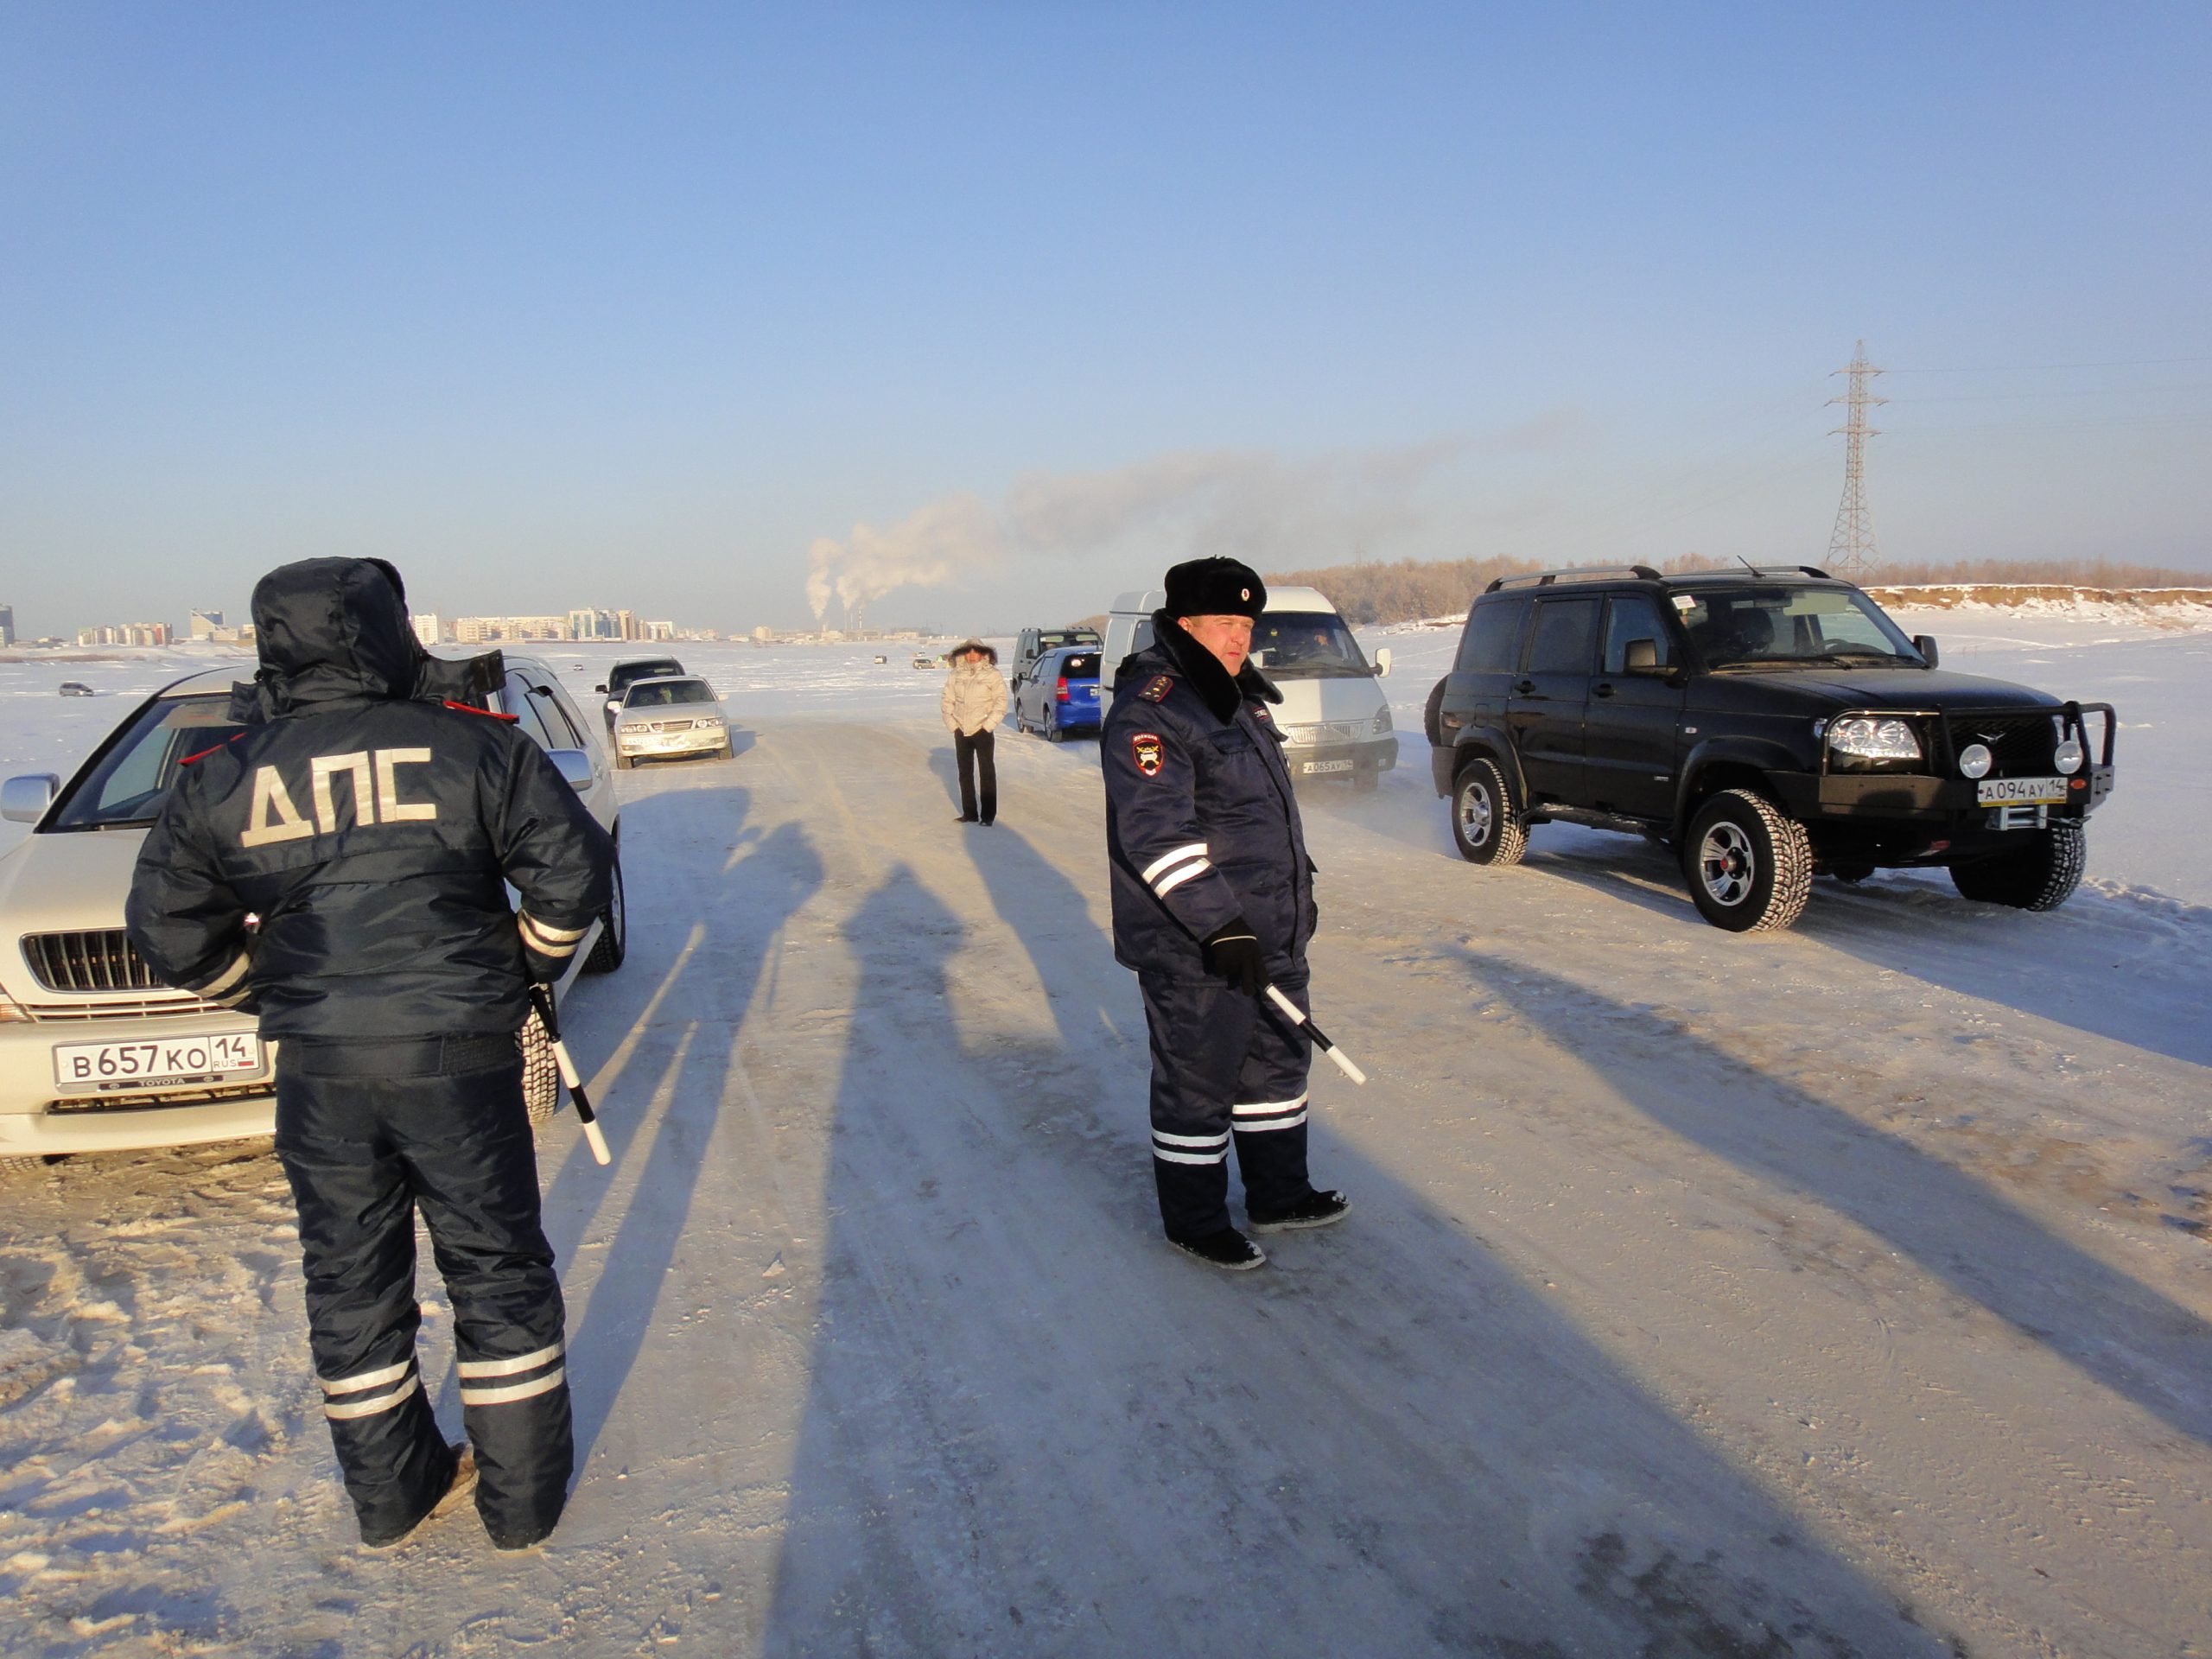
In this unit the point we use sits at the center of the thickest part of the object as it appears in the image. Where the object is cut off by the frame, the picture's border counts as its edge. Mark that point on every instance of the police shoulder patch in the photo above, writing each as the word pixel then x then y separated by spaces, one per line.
pixel 1157 688
pixel 1147 750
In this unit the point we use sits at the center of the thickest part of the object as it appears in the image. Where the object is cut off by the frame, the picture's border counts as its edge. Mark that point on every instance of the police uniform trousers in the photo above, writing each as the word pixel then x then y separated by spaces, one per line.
pixel 368 1133
pixel 1225 1073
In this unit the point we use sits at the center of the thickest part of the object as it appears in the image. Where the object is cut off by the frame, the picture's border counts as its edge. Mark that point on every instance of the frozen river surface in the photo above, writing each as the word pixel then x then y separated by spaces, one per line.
pixel 1844 1292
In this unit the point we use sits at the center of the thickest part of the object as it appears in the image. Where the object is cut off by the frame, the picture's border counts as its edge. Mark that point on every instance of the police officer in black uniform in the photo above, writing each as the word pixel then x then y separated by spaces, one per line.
pixel 1213 899
pixel 338 867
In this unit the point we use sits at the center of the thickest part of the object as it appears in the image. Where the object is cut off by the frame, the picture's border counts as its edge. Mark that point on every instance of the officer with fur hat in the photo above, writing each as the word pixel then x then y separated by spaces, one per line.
pixel 339 867
pixel 1213 899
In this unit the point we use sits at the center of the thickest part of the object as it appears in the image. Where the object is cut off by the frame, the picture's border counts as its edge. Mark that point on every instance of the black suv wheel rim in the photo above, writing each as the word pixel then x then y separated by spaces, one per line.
pixel 1474 815
pixel 1727 864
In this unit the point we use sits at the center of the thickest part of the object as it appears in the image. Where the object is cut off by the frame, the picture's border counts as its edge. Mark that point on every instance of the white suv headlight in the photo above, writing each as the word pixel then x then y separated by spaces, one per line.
pixel 1873 738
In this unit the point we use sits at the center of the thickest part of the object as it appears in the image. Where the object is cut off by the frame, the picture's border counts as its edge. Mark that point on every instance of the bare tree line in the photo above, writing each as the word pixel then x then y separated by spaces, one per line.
pixel 1409 589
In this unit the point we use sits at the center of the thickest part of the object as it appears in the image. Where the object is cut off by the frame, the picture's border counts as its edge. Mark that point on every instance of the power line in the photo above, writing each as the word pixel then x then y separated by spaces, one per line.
pixel 2046 368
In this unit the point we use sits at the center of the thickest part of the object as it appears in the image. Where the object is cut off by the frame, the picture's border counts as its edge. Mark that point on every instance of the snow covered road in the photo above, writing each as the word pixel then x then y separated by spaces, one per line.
pixel 1840 1293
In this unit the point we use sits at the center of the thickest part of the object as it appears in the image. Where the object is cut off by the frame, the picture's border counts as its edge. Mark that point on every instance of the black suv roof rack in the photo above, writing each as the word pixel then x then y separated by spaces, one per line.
pixel 1722 573
pixel 1577 573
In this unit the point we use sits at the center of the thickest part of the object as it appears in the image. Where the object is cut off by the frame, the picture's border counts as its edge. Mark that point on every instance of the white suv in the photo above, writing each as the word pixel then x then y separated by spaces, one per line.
pixel 95 1056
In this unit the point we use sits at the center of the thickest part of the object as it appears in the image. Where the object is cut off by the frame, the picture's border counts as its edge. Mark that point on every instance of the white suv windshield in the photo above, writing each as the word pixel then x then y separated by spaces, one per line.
pixel 127 785
pixel 1755 627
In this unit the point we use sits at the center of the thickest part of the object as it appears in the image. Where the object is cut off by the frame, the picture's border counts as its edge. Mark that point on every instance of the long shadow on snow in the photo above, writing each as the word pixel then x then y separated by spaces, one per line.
pixel 1032 1428
pixel 2059 966
pixel 730 926
pixel 2121 1332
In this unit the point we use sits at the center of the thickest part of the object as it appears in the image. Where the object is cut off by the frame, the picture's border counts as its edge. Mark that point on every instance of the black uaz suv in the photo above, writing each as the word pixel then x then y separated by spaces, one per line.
pixel 1770 725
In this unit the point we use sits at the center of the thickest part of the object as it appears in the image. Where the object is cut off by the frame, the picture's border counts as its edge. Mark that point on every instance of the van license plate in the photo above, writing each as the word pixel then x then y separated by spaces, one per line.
pixel 1326 766
pixel 164 1063
pixel 2016 791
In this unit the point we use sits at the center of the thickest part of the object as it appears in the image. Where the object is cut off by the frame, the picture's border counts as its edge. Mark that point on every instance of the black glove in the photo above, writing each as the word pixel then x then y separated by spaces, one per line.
pixel 1312 918
pixel 1232 951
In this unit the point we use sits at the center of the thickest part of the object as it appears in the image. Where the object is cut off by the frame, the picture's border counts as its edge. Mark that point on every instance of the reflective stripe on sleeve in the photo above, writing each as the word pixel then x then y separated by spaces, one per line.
pixel 547 941
pixel 1196 849
pixel 1182 873
pixel 214 989
pixel 511 1367
pixel 537 1385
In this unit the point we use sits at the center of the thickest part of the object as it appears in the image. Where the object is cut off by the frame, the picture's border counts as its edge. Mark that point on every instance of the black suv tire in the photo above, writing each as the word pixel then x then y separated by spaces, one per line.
pixel 2040 875
pixel 1431 714
pixel 1749 868
pixel 1485 828
pixel 541 1073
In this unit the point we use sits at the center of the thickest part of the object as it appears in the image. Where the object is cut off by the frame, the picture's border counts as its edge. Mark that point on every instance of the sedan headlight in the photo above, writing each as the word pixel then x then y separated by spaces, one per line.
pixel 1873 738
pixel 11 1012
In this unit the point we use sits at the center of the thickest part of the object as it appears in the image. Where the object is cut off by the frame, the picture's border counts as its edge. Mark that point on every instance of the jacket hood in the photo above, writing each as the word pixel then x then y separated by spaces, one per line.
pixel 967 645
pixel 329 629
pixel 1223 694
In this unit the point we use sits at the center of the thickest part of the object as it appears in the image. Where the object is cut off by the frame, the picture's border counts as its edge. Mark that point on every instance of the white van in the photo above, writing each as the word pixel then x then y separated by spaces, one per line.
pixel 1334 717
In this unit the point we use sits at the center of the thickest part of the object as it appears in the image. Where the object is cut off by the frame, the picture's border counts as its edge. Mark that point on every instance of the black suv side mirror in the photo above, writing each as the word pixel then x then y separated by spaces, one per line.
pixel 1641 656
pixel 1925 644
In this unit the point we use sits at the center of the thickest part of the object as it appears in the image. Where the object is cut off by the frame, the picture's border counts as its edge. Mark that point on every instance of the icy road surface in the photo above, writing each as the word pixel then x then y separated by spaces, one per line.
pixel 1840 1293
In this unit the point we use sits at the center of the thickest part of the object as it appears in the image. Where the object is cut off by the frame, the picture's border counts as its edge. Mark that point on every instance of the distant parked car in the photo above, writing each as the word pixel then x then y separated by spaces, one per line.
pixel 676 717
pixel 882 659
pixel 1060 695
pixel 95 1055
pixel 75 688
pixel 922 660
pixel 628 672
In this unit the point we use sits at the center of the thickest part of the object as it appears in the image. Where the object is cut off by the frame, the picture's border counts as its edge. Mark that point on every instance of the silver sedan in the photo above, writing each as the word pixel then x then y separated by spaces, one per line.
pixel 673 717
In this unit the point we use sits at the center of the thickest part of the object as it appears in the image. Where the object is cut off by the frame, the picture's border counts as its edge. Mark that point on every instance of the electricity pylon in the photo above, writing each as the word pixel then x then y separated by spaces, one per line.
pixel 1851 546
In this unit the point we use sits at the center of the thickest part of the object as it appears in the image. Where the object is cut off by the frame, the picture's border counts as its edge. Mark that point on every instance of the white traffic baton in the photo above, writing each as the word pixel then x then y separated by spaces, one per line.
pixel 542 997
pixel 1298 1016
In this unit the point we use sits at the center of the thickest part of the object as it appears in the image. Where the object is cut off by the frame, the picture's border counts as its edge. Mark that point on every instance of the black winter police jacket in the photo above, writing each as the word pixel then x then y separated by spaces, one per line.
pixel 370 828
pixel 1201 825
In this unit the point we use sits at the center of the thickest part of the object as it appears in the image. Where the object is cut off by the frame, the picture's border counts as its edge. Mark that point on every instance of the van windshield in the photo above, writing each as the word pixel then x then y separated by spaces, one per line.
pixel 1308 646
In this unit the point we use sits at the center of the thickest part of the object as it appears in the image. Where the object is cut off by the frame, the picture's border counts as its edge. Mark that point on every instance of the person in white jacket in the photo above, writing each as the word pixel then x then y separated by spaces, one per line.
pixel 974 703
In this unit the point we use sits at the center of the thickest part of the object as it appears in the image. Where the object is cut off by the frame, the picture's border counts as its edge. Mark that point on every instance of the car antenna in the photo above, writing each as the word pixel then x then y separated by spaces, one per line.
pixel 1747 565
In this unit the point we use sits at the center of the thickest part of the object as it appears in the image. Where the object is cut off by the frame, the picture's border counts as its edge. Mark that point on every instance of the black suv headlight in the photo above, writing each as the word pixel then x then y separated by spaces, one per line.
pixel 1870 742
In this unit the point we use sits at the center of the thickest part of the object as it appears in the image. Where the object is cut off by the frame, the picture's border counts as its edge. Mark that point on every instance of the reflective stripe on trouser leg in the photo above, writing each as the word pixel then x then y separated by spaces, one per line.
pixel 1270 1114
pixel 1199 1031
pixel 475 1170
pixel 357 1246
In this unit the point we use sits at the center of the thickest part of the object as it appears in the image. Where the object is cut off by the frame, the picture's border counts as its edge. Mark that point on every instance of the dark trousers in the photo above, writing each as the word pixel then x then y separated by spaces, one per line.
pixel 1223 1071
pixel 975 755
pixel 368 1134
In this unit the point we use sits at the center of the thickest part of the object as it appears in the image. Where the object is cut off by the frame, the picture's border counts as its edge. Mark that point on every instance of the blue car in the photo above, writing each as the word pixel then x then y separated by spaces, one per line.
pixel 1058 693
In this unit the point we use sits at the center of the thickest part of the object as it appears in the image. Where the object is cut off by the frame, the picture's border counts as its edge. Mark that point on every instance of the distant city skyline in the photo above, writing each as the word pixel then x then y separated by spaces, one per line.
pixel 969 311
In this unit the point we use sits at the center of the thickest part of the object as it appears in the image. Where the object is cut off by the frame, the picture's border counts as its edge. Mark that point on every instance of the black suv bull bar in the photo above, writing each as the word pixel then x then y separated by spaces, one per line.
pixel 1937 787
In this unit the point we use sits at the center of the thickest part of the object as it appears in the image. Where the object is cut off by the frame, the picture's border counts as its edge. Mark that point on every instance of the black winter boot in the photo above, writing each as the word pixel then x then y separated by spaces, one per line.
pixel 1226 1249
pixel 1314 1210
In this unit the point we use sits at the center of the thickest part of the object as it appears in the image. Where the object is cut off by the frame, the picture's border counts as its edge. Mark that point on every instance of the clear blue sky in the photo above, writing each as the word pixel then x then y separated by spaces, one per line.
pixel 633 305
